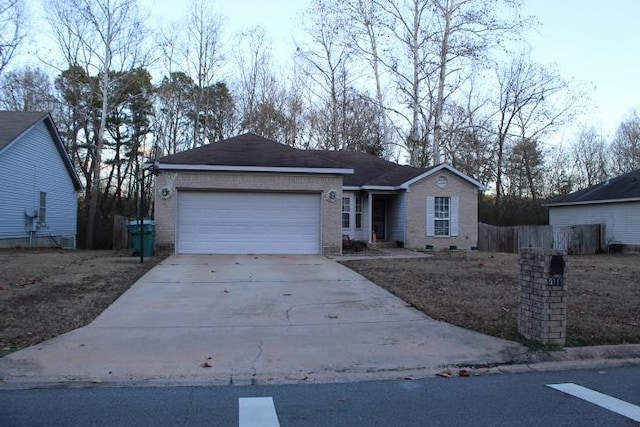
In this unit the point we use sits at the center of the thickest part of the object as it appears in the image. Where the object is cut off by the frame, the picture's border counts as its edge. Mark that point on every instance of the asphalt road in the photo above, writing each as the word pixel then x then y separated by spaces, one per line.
pixel 492 400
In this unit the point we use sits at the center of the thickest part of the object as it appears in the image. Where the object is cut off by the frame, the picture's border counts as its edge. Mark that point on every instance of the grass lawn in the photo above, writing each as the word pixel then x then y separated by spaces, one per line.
pixel 47 292
pixel 480 291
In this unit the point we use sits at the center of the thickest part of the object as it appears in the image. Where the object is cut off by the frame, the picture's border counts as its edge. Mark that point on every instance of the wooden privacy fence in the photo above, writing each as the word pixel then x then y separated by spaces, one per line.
pixel 121 239
pixel 576 239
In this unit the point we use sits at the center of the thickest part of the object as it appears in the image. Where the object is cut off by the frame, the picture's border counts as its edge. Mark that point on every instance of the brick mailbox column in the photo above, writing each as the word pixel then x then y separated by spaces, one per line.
pixel 543 295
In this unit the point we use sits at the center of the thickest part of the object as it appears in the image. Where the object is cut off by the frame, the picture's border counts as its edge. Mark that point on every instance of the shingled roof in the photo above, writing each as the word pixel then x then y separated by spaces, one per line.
pixel 251 150
pixel 15 123
pixel 619 189
pixel 370 170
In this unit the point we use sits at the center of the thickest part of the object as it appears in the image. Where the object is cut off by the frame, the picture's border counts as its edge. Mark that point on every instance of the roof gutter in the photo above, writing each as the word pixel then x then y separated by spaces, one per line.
pixel 593 202
pixel 271 169
pixel 372 187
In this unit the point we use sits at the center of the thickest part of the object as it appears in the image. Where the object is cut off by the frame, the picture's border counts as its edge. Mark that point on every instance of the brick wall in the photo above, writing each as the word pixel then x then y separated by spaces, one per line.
pixel 166 208
pixel 416 214
pixel 543 307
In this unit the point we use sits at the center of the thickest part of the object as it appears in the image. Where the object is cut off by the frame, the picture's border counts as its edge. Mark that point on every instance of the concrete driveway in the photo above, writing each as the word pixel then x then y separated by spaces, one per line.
pixel 254 319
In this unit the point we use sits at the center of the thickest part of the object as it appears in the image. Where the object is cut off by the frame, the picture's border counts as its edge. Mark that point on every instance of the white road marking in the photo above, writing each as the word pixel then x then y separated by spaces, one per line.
pixel 611 403
pixel 258 411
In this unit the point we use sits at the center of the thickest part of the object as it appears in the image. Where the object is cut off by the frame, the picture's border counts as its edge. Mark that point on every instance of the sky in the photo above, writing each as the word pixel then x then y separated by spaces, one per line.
pixel 595 43
pixel 592 42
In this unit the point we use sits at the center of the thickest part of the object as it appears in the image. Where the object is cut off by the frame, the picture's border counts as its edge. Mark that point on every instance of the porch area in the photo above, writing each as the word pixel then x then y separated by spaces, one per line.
pixel 376 218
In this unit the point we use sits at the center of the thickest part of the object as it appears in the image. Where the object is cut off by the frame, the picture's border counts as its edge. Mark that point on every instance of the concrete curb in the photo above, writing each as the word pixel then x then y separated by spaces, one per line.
pixel 573 358
pixel 570 358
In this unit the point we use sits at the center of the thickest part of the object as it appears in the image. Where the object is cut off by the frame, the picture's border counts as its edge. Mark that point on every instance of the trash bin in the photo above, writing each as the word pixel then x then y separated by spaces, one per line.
pixel 148 236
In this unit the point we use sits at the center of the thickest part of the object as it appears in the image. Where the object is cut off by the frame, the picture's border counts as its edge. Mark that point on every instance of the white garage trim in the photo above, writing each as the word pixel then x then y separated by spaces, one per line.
pixel 214 222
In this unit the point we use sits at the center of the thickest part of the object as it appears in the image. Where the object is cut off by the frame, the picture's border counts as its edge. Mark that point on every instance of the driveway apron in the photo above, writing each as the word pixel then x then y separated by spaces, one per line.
pixel 247 319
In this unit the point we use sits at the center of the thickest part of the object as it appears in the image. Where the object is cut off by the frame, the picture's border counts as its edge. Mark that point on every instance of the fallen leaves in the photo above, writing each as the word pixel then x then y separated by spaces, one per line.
pixel 445 374
pixel 448 373
pixel 207 363
pixel 463 373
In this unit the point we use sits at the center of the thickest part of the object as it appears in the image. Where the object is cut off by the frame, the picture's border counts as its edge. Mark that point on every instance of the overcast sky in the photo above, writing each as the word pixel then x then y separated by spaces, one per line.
pixel 594 42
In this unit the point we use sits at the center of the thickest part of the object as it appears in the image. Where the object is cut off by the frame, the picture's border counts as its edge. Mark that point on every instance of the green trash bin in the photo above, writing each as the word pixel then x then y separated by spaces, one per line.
pixel 148 236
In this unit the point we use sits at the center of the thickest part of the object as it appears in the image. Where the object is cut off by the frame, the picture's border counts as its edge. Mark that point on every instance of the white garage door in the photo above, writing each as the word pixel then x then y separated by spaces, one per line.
pixel 248 223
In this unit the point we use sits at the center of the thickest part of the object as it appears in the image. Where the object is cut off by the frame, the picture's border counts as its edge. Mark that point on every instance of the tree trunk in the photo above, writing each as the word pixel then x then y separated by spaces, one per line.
pixel 437 113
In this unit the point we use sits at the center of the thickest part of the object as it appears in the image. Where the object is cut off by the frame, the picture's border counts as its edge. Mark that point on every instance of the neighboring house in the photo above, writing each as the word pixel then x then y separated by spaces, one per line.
pixel 614 203
pixel 252 195
pixel 38 201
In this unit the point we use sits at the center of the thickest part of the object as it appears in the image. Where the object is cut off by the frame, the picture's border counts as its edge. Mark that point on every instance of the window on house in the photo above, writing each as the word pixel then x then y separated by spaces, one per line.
pixel 442 216
pixel 42 209
pixel 346 212
pixel 358 212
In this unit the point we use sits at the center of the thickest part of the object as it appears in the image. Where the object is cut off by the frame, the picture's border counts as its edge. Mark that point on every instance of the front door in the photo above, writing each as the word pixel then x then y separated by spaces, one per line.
pixel 380 218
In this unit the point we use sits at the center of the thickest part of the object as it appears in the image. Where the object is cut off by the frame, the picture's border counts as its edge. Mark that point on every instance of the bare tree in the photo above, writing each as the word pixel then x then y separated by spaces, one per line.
pixel 463 32
pixel 259 93
pixel 559 176
pixel 589 158
pixel 100 36
pixel 200 50
pixel 408 26
pixel 626 145
pixel 524 169
pixel 467 142
pixel 12 29
pixel 27 89
pixel 326 64
pixel 366 33
pixel 533 101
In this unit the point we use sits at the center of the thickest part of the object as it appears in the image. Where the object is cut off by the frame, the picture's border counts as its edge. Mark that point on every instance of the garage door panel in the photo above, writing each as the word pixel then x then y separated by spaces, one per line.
pixel 217 222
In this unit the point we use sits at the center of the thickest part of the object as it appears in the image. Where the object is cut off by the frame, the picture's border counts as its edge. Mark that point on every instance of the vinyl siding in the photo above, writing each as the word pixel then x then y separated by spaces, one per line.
pixel 396 221
pixel 621 220
pixel 29 165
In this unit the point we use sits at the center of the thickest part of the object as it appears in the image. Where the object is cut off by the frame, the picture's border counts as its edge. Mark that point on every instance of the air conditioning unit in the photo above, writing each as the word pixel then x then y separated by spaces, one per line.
pixel 68 242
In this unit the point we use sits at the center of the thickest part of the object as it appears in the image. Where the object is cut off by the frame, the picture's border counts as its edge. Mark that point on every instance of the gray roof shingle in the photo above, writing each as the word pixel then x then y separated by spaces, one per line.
pixel 250 150
pixel 253 150
pixel 622 187
pixel 13 123
pixel 371 170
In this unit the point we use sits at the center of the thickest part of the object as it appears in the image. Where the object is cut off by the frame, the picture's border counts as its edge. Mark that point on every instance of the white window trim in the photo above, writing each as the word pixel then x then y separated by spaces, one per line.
pixel 454 207
pixel 444 220
pixel 352 212
pixel 42 219
pixel 349 212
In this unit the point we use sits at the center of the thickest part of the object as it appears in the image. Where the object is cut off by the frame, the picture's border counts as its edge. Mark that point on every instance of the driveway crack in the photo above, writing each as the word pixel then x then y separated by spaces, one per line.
pixel 253 364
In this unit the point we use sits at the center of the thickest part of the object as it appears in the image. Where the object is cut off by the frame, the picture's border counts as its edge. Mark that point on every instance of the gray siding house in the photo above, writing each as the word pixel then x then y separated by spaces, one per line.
pixel 38 201
pixel 614 203
pixel 249 194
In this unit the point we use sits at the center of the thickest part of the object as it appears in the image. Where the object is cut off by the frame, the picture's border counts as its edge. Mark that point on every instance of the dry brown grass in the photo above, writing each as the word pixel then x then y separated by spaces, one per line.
pixel 44 293
pixel 479 291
